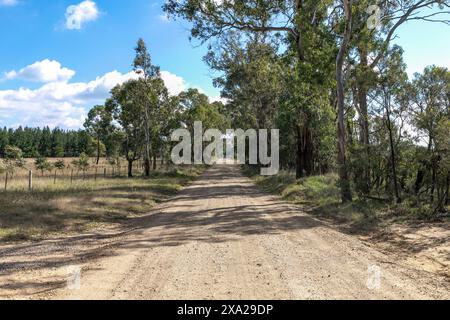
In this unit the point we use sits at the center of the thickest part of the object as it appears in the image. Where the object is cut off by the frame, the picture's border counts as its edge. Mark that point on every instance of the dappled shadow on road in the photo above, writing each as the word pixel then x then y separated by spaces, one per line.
pixel 219 208
pixel 222 206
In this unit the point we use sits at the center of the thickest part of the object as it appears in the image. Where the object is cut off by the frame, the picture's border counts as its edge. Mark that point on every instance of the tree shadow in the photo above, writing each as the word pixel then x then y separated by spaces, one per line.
pixel 221 207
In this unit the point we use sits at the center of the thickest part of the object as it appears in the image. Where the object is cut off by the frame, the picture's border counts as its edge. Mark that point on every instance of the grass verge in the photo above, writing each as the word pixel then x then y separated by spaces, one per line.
pixel 319 196
pixel 64 208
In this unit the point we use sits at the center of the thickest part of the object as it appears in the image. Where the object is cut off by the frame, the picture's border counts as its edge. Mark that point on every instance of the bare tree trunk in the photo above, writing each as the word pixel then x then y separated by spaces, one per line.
pixel 147 143
pixel 346 193
pixel 393 157
pixel 130 168
pixel 364 120
pixel 98 150
pixel 299 164
pixel 447 192
pixel 433 181
pixel 419 180
pixel 304 164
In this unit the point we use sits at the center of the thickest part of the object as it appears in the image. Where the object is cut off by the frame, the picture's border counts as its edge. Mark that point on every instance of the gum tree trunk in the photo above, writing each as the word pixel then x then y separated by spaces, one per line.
pixel 346 193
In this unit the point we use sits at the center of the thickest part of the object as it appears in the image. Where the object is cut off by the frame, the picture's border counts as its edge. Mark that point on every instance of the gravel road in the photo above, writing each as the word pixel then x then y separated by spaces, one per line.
pixel 222 238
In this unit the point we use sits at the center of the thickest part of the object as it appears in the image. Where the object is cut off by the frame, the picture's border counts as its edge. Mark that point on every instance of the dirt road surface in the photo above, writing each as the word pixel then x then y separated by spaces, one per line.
pixel 220 238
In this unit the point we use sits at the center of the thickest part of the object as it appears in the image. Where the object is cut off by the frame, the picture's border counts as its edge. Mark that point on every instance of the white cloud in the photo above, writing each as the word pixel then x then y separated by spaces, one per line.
pixel 64 104
pixel 8 3
pixel 60 104
pixel 42 71
pixel 77 15
pixel 175 84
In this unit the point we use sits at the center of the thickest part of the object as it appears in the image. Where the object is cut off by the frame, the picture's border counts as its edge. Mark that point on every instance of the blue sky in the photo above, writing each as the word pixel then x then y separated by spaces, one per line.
pixel 72 62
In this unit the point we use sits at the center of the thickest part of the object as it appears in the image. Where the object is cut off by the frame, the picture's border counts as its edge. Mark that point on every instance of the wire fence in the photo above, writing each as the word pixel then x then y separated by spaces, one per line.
pixel 28 177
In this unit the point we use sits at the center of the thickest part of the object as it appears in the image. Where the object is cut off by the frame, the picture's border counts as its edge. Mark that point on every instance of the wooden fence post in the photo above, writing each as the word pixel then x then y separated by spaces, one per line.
pixel 95 178
pixel 6 181
pixel 104 172
pixel 71 176
pixel 54 179
pixel 30 180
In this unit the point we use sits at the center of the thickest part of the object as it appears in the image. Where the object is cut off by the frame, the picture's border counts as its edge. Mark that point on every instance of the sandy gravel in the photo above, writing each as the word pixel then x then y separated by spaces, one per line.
pixel 220 238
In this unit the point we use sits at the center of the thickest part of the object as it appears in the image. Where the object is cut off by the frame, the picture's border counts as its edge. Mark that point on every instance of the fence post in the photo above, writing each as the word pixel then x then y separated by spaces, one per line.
pixel 6 181
pixel 104 172
pixel 54 179
pixel 30 180
pixel 96 174
pixel 71 176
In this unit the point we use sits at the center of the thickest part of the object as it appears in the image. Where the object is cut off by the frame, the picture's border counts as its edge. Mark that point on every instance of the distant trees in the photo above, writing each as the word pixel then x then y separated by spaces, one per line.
pixel 59 165
pixel 13 159
pixel 44 142
pixel 42 164
pixel 82 163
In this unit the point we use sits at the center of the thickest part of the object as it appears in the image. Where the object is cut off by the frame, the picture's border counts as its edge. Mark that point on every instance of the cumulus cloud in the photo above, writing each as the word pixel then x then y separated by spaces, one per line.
pixel 42 71
pixel 175 84
pixel 64 104
pixel 58 104
pixel 7 3
pixel 78 15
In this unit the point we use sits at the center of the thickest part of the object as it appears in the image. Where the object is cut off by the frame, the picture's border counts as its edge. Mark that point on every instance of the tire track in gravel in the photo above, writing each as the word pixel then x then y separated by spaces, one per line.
pixel 223 238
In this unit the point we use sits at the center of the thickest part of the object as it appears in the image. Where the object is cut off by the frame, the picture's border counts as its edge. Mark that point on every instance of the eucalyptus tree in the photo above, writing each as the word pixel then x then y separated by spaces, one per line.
pixel 299 25
pixel 161 115
pixel 124 104
pixel 42 164
pixel 430 99
pixel 99 124
pixel 369 28
pixel 389 94
pixel 195 106
pixel 82 163
pixel 249 79
pixel 304 25
pixel 147 72
pixel 13 159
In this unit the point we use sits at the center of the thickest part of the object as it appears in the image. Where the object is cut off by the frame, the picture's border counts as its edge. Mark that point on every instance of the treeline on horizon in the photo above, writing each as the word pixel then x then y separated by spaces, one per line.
pixel 46 142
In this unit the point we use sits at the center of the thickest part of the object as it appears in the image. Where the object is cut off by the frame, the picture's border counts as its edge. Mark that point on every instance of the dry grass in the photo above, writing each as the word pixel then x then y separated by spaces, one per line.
pixel 68 208
pixel 19 181
pixel 320 196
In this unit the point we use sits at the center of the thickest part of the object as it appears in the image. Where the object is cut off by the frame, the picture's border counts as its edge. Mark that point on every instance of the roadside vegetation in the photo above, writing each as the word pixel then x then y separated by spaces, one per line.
pixel 411 229
pixel 319 196
pixel 61 208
